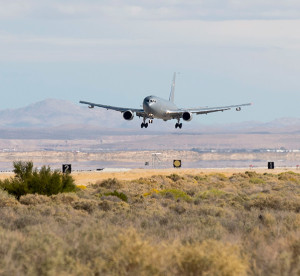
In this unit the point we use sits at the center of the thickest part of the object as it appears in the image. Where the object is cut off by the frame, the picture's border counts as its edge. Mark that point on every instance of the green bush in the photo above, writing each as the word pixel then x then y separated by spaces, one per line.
pixel 176 194
pixel 121 196
pixel 256 180
pixel 28 180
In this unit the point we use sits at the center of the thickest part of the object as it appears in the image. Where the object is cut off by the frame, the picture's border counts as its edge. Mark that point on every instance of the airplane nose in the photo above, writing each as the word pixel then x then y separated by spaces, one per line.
pixel 147 102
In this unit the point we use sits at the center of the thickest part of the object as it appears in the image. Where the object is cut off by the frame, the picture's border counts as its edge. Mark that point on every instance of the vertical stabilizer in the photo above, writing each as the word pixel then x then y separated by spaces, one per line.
pixel 171 98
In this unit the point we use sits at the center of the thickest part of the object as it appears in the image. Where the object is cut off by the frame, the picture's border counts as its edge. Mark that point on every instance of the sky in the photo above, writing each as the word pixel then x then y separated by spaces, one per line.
pixel 117 52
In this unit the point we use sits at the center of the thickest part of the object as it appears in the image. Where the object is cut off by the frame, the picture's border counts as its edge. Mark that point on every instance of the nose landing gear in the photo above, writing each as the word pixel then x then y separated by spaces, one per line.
pixel 144 124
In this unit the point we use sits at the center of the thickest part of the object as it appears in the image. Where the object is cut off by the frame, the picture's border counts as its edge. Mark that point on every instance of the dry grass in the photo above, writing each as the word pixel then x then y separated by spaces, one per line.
pixel 187 224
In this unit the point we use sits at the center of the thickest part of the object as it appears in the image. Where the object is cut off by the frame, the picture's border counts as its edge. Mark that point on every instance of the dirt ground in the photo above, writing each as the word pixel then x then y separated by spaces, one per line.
pixel 89 177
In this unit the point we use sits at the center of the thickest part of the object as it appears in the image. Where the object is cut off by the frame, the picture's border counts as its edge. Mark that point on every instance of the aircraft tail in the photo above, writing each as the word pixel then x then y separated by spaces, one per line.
pixel 171 98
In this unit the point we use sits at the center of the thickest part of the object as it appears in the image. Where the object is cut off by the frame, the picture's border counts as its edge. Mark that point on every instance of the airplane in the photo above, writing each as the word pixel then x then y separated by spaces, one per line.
pixel 157 108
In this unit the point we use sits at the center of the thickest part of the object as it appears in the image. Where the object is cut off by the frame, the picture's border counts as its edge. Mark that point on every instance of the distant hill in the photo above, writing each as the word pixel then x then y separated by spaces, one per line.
pixel 53 113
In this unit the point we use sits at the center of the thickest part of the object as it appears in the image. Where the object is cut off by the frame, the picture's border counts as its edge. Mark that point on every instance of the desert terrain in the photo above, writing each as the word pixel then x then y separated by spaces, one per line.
pixel 156 222
pixel 155 160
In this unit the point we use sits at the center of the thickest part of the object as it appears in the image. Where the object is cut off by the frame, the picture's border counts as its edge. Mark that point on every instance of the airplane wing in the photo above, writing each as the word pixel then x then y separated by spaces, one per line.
pixel 139 112
pixel 206 110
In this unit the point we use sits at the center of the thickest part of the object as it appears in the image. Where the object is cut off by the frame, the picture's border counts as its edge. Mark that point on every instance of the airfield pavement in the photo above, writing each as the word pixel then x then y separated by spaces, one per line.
pixel 89 177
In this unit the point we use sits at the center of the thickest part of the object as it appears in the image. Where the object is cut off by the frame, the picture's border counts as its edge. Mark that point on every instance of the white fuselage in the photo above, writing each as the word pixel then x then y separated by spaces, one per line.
pixel 158 108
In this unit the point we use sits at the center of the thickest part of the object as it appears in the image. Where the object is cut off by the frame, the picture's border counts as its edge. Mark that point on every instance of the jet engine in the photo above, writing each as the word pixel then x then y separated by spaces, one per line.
pixel 238 109
pixel 128 115
pixel 187 116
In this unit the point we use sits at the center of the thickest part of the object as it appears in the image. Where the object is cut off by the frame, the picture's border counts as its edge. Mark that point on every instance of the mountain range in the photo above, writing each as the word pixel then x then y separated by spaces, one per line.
pixel 52 118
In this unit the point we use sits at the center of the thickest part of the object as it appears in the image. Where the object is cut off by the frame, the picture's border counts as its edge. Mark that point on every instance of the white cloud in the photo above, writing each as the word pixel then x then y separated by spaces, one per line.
pixel 14 9
pixel 152 10
pixel 148 40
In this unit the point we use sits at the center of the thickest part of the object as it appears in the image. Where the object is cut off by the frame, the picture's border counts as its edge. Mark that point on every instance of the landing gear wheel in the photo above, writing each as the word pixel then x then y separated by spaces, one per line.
pixel 178 125
pixel 142 125
pixel 146 125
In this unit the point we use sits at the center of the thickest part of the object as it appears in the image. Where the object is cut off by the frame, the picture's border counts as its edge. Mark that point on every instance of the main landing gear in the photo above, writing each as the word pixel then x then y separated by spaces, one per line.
pixel 145 125
pixel 178 125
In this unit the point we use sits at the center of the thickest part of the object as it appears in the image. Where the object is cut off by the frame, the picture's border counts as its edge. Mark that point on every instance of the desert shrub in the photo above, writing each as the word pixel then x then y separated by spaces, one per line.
pixel 130 254
pixel 111 183
pixel 30 181
pixel 209 258
pixel 6 199
pixel 23 170
pixel 209 210
pixel 15 186
pixel 65 198
pixel 274 202
pixel 256 180
pixel 174 177
pixel 218 176
pixel 85 204
pixel 212 193
pixel 174 193
pixel 34 199
pixel 121 196
pixel 251 174
pixel 289 176
pixel 237 228
pixel 201 178
pixel 178 208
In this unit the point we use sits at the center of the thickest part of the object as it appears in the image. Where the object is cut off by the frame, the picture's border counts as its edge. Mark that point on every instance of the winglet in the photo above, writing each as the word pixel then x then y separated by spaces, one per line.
pixel 171 98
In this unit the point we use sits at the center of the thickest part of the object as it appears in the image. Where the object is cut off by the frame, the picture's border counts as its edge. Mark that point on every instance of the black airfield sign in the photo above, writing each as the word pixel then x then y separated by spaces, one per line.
pixel 271 165
pixel 66 168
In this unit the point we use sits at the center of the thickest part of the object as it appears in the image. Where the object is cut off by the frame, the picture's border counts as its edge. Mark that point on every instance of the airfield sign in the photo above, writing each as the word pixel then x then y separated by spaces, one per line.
pixel 66 168
pixel 177 163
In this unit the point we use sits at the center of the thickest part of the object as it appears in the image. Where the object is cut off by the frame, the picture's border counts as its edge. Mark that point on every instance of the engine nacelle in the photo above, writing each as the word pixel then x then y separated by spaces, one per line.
pixel 187 116
pixel 128 115
pixel 238 109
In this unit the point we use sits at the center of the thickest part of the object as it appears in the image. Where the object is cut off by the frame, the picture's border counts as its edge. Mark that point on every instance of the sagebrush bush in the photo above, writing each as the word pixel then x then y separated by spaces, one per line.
pixel 174 177
pixel 110 183
pixel 209 258
pixel 6 199
pixel 34 199
pixel 28 180
pixel 227 226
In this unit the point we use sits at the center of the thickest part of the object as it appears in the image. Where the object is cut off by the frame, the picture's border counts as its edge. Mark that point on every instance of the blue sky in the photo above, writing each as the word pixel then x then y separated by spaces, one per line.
pixel 118 52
